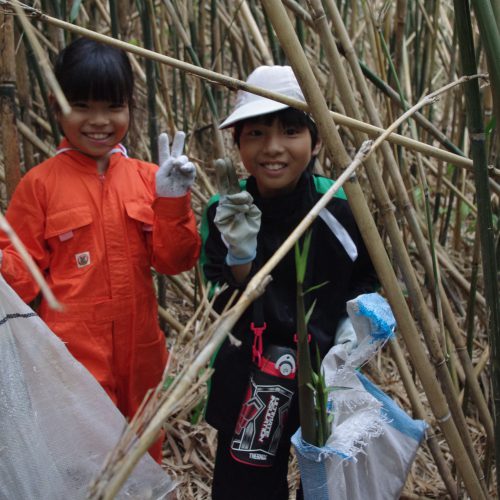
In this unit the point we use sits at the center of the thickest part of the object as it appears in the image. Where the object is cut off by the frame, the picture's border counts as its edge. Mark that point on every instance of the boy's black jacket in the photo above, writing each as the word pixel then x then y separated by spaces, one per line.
pixel 328 262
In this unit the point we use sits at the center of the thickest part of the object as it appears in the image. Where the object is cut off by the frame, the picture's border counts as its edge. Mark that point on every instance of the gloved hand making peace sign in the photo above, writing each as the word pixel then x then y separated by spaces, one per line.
pixel 176 173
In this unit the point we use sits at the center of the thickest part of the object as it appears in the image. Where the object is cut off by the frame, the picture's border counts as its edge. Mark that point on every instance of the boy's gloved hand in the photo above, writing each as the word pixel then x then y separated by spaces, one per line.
pixel 238 220
pixel 176 173
pixel 346 335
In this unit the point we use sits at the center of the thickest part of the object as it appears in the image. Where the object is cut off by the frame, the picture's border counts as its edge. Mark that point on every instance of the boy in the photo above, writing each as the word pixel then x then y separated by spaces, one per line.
pixel 277 145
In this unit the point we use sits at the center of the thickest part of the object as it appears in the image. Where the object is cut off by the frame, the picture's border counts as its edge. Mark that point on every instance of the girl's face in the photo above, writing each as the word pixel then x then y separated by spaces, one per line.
pixel 95 127
pixel 276 155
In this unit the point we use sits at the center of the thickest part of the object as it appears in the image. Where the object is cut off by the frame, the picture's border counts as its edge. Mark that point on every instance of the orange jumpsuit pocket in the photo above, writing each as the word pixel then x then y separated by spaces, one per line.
pixel 71 239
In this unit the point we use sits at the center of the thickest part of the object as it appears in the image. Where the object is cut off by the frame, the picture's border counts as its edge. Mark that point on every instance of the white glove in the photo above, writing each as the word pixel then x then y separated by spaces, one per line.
pixel 238 220
pixel 346 335
pixel 176 173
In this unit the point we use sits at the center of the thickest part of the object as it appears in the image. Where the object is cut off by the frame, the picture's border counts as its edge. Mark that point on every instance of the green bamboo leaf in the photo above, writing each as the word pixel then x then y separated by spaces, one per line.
pixel 75 9
pixel 315 287
pixel 310 311
pixel 300 264
pixel 490 126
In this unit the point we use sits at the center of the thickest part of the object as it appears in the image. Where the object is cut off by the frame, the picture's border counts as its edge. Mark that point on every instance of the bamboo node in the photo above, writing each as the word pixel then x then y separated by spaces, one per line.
pixel 444 419
pixel 480 136
pixel 439 364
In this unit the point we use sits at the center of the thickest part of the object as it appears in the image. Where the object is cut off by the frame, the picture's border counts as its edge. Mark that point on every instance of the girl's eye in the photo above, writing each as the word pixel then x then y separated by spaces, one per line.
pixel 79 105
pixel 291 131
pixel 117 105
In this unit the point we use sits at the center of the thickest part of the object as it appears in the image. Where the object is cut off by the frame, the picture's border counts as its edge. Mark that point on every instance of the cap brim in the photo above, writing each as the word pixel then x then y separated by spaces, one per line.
pixel 252 109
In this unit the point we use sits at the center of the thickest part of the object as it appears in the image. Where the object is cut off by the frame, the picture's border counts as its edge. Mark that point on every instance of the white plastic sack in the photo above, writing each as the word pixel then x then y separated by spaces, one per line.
pixel 57 424
pixel 373 442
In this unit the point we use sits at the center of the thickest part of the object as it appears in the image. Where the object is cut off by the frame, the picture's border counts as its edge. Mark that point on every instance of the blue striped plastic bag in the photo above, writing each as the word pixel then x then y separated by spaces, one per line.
pixel 373 442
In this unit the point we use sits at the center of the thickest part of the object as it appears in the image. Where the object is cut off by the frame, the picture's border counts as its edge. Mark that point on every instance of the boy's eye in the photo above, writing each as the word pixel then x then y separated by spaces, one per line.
pixel 117 105
pixel 253 132
pixel 291 131
pixel 79 105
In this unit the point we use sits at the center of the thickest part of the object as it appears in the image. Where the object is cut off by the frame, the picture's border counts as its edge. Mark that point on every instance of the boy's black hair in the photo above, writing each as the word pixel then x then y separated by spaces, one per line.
pixel 287 117
pixel 86 69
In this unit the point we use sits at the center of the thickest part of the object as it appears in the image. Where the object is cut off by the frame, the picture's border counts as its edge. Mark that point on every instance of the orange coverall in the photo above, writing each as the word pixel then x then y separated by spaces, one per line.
pixel 95 238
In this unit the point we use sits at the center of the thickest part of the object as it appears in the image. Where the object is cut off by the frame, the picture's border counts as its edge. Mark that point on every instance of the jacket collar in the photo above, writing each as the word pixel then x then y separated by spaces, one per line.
pixel 83 162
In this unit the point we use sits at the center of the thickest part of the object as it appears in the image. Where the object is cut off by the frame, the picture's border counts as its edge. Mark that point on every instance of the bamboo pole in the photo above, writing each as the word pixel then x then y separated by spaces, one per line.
pixel 235 84
pixel 365 222
pixel 256 34
pixel 490 35
pixel 8 129
pixel 25 101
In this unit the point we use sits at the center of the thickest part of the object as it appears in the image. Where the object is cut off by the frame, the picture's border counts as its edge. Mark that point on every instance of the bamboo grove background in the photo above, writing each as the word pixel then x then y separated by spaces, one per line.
pixel 431 219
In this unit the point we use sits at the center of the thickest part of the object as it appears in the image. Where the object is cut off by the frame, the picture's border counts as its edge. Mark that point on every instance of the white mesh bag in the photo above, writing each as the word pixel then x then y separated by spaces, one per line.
pixel 57 424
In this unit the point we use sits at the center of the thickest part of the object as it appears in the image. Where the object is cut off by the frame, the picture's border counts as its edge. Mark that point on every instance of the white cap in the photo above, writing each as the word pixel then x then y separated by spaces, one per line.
pixel 278 79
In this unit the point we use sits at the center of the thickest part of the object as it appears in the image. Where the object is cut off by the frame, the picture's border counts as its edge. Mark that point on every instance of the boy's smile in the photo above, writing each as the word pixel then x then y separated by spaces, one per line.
pixel 275 154
pixel 95 127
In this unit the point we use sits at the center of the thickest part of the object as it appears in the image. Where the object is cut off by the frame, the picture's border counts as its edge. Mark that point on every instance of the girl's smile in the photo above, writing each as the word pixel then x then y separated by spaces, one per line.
pixel 95 127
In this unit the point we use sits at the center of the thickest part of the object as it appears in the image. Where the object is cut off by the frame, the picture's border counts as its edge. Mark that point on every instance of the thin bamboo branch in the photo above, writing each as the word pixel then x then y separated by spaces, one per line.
pixel 30 264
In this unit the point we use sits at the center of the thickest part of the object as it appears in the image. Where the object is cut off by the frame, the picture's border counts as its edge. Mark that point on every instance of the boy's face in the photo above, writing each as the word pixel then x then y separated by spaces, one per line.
pixel 275 154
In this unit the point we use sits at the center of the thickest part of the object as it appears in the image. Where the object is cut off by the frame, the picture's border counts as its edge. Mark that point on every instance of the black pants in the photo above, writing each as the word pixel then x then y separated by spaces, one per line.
pixel 234 480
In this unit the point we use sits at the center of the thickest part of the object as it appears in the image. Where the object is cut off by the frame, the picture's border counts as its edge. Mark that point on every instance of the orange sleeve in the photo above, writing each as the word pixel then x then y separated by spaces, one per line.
pixel 26 215
pixel 176 242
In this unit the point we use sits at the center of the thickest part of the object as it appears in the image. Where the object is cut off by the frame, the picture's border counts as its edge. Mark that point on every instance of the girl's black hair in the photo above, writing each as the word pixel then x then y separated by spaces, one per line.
pixel 86 69
pixel 288 117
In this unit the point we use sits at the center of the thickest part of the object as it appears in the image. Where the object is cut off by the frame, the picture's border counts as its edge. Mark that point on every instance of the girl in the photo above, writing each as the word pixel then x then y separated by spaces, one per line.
pixel 95 221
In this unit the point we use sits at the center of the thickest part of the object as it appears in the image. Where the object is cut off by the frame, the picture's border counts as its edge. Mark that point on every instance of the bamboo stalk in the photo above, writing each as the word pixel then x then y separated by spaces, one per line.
pixel 490 35
pixel 25 102
pixel 8 129
pixel 256 34
pixel 26 132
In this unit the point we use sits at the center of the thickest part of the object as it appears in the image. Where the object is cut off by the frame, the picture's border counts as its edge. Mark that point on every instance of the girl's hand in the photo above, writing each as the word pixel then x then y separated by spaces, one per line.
pixel 176 173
